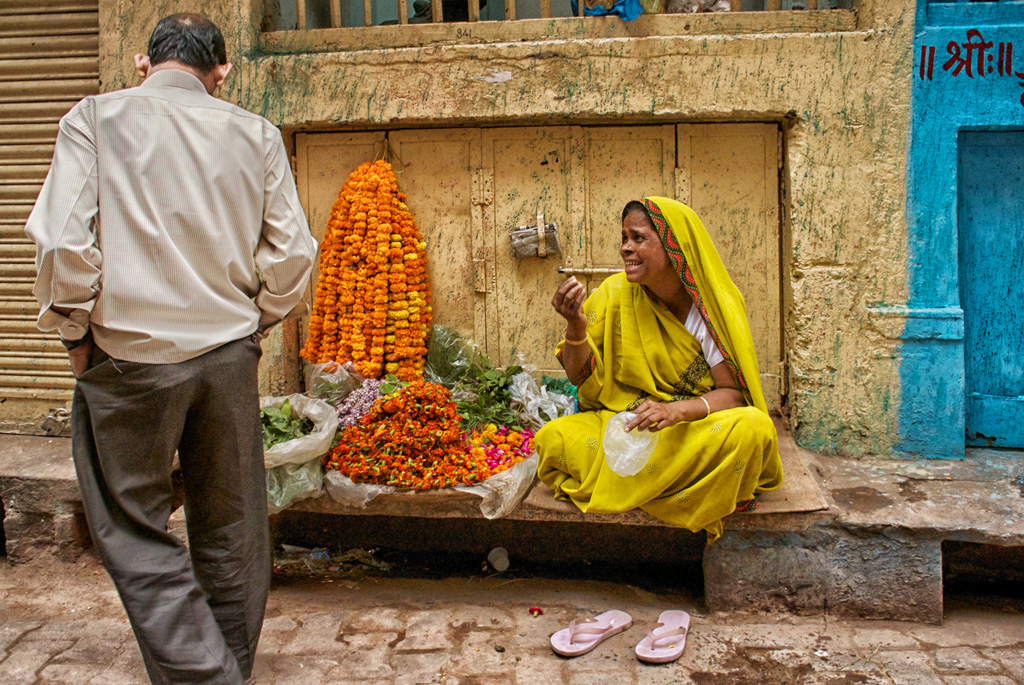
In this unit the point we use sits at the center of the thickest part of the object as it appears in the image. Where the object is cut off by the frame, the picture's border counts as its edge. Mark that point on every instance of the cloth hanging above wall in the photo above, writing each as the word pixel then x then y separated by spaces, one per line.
pixel 628 10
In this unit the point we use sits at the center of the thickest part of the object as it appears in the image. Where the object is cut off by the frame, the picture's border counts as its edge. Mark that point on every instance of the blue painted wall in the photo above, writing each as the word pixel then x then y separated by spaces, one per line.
pixel 968 75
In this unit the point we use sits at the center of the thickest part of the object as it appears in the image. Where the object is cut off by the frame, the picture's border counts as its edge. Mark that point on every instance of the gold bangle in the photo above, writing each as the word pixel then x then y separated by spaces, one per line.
pixel 577 342
pixel 708 413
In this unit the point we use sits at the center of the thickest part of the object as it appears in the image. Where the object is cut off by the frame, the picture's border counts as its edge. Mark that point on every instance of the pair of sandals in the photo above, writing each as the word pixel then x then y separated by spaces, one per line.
pixel 664 642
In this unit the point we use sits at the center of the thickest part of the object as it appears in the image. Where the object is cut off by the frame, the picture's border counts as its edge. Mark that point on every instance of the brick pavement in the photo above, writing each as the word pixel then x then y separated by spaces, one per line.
pixel 62 623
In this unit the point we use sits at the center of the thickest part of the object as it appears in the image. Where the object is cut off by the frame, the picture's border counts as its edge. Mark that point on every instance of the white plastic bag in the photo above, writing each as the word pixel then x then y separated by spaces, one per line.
pixel 538 405
pixel 289 483
pixel 627 453
pixel 308 447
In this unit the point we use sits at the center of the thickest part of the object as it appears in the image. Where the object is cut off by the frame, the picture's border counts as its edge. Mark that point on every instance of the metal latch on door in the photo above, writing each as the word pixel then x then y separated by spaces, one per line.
pixel 538 240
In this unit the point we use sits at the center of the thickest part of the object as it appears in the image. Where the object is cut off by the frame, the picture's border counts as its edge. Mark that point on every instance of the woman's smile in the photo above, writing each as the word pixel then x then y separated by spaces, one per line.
pixel 643 256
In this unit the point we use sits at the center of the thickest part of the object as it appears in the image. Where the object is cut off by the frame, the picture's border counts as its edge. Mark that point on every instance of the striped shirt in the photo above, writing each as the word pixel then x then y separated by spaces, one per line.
pixel 169 224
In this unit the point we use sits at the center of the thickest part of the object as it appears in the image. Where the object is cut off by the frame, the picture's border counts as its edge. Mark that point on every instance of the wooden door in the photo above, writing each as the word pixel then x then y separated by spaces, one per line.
pixel 436 169
pixel 991 231
pixel 531 170
pixel 729 175
pixel 468 188
pixel 623 163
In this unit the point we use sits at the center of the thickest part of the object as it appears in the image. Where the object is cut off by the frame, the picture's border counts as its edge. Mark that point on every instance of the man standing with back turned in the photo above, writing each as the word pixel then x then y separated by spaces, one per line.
pixel 169 239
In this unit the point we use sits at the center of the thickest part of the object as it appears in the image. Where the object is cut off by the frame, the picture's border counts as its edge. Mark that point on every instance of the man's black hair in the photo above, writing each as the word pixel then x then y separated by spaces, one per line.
pixel 635 205
pixel 191 39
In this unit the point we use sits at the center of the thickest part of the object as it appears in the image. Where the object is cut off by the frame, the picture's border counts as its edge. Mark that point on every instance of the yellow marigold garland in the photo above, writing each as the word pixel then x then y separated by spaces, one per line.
pixel 372 304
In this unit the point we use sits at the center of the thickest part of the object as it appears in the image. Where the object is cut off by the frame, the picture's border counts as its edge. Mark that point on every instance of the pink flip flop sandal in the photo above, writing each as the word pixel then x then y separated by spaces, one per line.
pixel 583 634
pixel 665 639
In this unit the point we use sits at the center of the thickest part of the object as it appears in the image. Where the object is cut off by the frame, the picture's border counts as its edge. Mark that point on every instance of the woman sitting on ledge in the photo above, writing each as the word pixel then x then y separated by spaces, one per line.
pixel 668 340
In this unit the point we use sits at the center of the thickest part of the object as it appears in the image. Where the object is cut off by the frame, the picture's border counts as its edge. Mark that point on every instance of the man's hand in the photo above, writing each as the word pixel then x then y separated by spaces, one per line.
pixel 79 357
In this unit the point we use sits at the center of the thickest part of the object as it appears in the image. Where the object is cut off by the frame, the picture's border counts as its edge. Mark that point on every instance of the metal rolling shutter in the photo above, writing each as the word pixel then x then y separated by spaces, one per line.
pixel 48 62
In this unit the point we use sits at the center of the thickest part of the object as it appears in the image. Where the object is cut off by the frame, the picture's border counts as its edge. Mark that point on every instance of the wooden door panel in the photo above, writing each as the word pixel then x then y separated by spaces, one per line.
pixel 532 169
pixel 623 163
pixel 729 176
pixel 435 170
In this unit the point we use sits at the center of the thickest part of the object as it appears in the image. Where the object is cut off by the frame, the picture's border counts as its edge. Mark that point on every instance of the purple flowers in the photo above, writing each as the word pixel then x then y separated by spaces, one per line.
pixel 358 403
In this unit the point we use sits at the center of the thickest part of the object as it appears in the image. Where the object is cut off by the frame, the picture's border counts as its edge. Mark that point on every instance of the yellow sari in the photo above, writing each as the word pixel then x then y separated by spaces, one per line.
pixel 700 470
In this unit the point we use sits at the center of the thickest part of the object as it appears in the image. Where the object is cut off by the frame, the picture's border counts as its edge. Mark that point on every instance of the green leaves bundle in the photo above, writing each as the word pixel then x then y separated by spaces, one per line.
pixel 282 424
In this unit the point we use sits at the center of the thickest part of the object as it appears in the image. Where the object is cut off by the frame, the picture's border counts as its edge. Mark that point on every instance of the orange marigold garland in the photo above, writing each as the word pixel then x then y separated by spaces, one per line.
pixel 372 304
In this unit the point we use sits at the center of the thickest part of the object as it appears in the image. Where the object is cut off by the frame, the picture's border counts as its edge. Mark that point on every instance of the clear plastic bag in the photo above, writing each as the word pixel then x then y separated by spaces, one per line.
pixel 289 483
pixel 537 405
pixel 450 356
pixel 627 453
pixel 332 382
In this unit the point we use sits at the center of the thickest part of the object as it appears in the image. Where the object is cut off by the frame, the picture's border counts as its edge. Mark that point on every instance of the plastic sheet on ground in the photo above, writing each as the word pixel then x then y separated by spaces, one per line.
pixel 499 494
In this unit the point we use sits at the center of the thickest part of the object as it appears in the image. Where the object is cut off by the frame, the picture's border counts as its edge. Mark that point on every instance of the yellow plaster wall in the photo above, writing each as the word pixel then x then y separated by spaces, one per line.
pixel 843 99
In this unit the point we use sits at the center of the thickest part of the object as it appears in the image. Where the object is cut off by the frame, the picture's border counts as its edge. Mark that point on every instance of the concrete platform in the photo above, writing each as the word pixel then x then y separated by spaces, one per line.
pixel 875 551
pixel 39 498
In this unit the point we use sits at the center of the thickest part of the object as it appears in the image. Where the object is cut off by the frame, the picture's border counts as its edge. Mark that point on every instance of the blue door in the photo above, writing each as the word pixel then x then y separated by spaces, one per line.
pixel 991 231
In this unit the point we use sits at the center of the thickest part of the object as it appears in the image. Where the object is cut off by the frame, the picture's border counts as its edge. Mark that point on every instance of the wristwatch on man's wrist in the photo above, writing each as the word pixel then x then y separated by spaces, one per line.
pixel 72 344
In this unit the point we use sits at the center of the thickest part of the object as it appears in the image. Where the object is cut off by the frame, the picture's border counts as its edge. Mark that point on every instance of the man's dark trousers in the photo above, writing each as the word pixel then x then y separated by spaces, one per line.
pixel 198 619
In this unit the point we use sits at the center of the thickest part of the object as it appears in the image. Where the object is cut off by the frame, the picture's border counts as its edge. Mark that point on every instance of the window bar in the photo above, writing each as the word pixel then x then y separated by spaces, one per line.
pixel 735 5
pixel 771 5
pixel 367 12
pixel 510 10
pixel 545 9
pixel 436 13
pixel 300 15
pixel 403 12
pixel 335 13
pixel 474 9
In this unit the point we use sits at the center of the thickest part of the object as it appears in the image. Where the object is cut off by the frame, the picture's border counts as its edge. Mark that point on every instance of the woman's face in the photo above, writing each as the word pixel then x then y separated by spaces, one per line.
pixel 642 253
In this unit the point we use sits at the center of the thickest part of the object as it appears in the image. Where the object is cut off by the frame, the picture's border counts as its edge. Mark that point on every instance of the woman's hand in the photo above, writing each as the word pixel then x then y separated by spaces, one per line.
pixel 568 301
pixel 655 416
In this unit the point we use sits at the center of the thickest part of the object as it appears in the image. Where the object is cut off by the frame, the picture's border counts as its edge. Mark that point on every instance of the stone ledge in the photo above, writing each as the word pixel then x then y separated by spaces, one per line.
pixel 875 551
pixel 979 499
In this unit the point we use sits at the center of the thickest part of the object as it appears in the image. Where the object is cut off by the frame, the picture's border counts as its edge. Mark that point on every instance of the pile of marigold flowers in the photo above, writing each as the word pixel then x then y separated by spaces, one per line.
pixel 412 439
pixel 372 303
